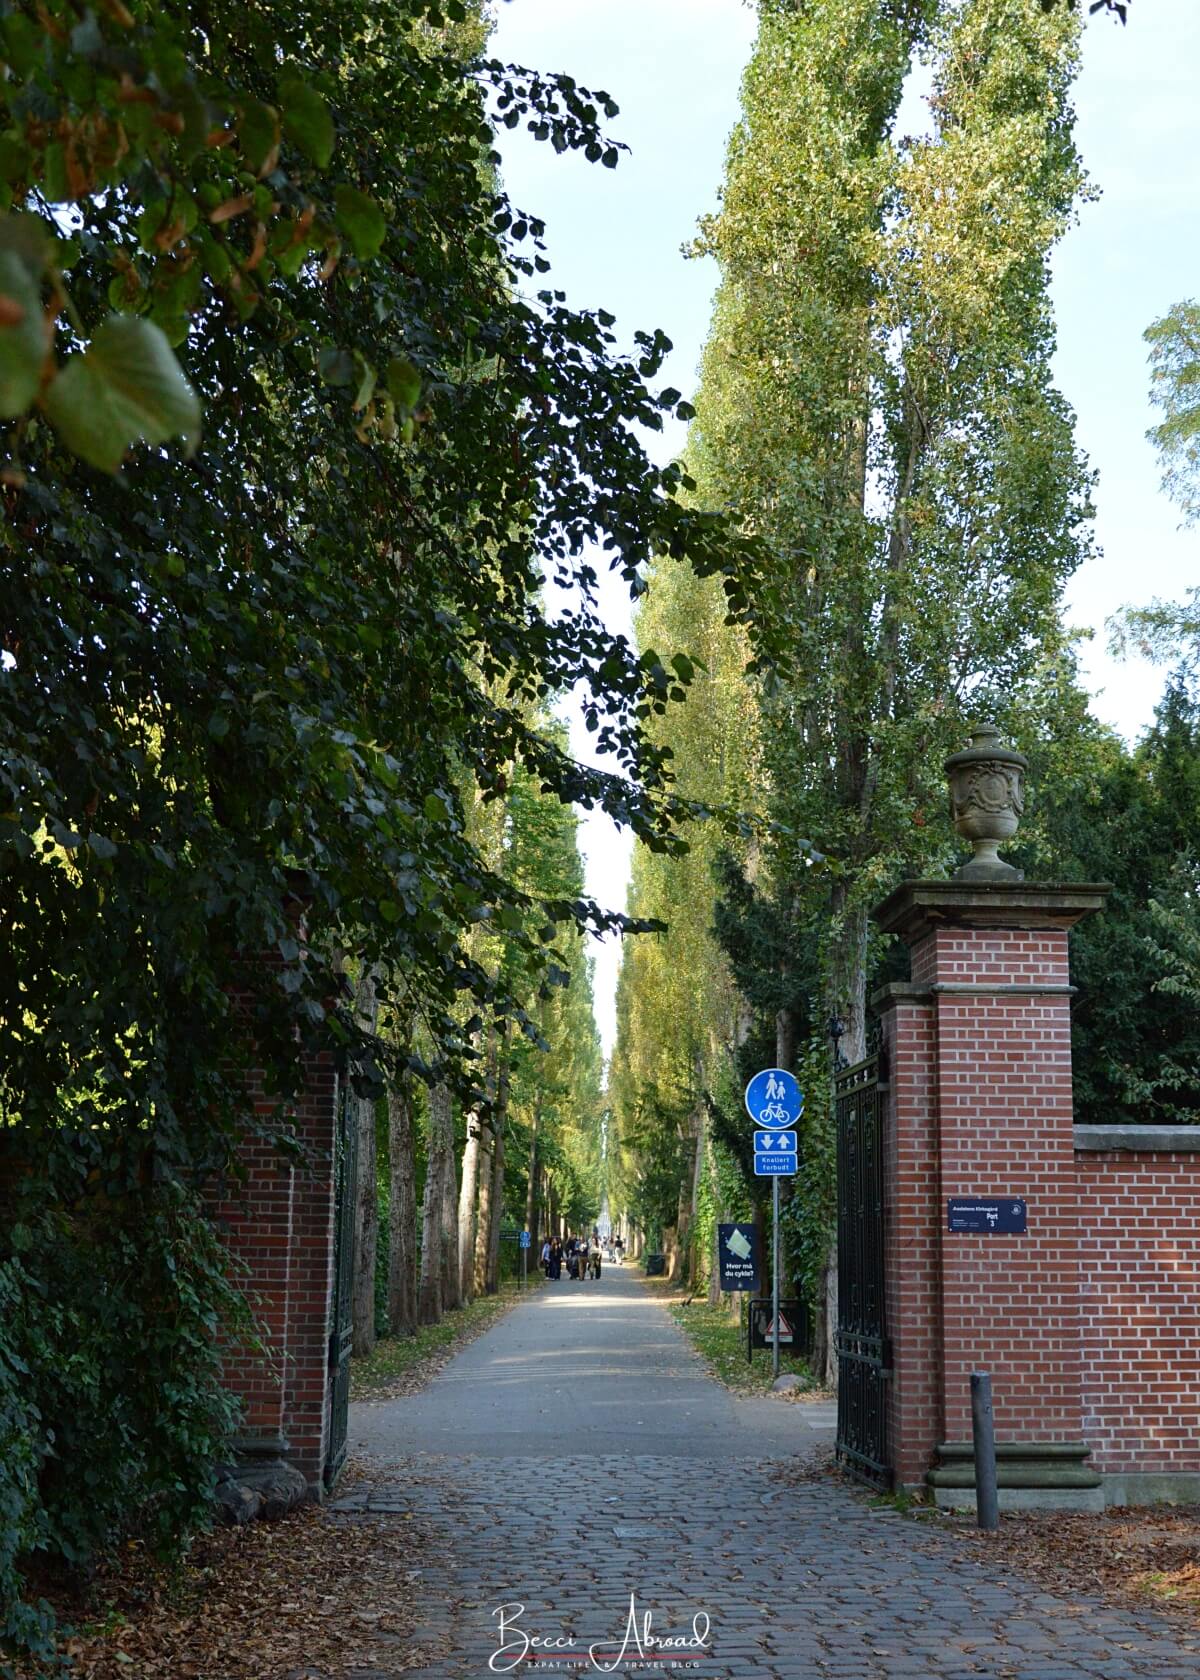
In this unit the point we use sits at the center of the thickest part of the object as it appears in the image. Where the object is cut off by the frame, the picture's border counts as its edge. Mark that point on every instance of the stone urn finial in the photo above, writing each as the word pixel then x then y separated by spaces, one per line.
pixel 987 797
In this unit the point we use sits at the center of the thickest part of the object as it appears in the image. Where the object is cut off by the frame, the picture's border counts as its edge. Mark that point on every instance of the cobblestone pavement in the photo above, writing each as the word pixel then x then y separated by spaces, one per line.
pixel 799 1582
pixel 787 1573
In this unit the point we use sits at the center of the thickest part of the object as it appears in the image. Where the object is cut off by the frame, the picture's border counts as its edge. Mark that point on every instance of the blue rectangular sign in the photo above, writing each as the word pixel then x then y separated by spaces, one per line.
pixel 1002 1214
pixel 775 1154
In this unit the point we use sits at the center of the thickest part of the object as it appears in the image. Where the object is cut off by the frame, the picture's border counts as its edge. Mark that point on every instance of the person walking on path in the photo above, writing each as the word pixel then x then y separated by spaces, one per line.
pixel 546 1257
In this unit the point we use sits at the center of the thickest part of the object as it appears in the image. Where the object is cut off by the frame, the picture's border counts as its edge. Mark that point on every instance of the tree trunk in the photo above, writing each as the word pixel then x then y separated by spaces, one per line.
pixel 485 1170
pixel 786 1034
pixel 485 1207
pixel 366 1190
pixel 402 1213
pixel 492 1279
pixel 697 1170
pixel 847 996
pixel 683 1207
pixel 847 985
pixel 830 1375
pixel 451 1278
pixel 714 1276
pixel 431 1299
pixel 366 1230
pixel 467 1211
pixel 531 1189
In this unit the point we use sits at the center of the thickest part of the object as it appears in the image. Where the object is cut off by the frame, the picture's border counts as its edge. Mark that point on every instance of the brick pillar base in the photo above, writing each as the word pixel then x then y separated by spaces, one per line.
pixel 980 1054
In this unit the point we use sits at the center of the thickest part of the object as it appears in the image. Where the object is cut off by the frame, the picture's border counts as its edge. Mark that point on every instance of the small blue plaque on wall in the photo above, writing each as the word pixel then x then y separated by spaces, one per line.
pixel 1002 1214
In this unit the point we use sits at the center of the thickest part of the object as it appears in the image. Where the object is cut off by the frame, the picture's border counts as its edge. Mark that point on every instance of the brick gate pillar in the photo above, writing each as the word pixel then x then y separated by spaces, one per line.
pixel 277 1218
pixel 980 1106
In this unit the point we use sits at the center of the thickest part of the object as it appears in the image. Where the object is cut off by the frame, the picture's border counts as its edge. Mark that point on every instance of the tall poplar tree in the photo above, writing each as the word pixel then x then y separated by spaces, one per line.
pixel 876 407
pixel 877 404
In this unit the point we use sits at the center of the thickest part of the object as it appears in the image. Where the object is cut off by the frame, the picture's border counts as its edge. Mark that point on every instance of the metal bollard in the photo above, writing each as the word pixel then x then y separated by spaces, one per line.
pixel 983 1435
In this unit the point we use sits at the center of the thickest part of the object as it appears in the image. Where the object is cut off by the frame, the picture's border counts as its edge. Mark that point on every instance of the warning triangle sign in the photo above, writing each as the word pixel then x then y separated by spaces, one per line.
pixel 785 1330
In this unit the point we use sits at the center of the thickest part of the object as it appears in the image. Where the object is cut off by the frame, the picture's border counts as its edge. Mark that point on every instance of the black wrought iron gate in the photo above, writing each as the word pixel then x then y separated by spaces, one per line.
pixel 864 1355
pixel 341 1321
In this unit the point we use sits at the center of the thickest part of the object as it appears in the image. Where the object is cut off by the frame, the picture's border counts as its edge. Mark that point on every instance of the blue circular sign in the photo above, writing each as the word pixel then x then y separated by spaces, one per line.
pixel 773 1098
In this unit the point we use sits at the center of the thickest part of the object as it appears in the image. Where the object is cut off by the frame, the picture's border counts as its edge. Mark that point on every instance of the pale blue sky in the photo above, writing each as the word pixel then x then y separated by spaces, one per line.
pixel 614 238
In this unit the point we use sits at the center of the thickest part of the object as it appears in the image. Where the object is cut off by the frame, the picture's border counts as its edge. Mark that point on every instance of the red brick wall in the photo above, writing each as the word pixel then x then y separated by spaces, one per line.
pixel 1089 1323
pixel 981 1104
pixel 1003 956
pixel 1140 1276
pixel 278 1223
pixel 1010 1304
pixel 255 1221
pixel 912 1236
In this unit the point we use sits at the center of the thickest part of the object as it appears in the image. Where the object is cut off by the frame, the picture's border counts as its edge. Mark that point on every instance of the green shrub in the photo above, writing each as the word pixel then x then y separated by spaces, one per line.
pixel 112 1411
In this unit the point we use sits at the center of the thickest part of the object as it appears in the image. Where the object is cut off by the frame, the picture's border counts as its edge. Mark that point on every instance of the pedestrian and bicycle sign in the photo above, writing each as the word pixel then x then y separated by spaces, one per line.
pixel 775 1154
pixel 524 1239
pixel 774 1101
pixel 773 1098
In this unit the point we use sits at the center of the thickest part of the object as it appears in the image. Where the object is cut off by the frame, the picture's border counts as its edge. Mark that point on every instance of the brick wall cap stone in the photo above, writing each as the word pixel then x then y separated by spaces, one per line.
pixel 900 991
pixel 917 908
pixel 1183 1139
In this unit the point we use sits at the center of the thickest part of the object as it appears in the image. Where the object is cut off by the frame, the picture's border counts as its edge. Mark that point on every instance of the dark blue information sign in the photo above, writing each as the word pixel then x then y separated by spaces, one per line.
pixel 1002 1214
pixel 737 1250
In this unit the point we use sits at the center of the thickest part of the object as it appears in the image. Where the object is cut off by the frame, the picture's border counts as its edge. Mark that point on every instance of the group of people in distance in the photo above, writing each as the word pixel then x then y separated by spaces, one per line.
pixel 580 1255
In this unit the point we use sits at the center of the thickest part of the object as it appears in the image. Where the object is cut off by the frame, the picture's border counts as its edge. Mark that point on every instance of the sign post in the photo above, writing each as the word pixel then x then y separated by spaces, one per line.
pixel 774 1100
pixel 525 1241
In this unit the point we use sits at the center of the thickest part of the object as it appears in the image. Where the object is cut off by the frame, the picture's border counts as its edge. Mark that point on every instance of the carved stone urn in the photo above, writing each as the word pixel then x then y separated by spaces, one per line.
pixel 987 797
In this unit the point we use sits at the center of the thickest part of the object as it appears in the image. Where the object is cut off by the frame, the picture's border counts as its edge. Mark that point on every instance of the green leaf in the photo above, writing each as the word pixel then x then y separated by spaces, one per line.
pixel 65 253
pixel 29 240
pixel 258 131
pixel 436 809
pixel 54 173
pixel 307 120
pixel 125 387
pixel 362 220
pixel 336 367
pixel 683 667
pixel 404 382
pixel 366 383
pixel 23 41
pixel 22 337
pixel 14 160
